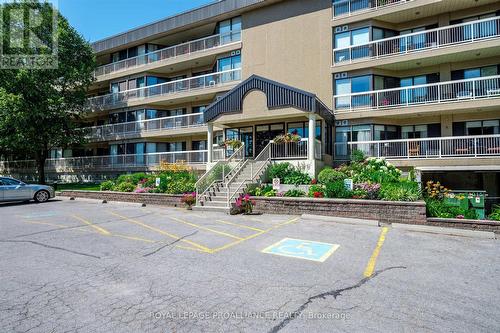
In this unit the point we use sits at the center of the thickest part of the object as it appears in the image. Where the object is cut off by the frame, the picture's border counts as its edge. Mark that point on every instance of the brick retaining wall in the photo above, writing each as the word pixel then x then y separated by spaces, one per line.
pixel 483 225
pixel 172 200
pixel 383 211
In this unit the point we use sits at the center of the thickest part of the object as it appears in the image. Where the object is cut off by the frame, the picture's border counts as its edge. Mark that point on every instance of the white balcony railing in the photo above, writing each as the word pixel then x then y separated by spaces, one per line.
pixel 435 93
pixel 294 150
pixel 172 52
pixel 452 35
pixel 105 132
pixel 194 157
pixel 442 147
pixel 344 8
pixel 164 89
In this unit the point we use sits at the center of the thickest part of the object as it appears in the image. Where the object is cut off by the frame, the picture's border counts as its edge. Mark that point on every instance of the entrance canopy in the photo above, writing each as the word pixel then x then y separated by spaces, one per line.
pixel 278 96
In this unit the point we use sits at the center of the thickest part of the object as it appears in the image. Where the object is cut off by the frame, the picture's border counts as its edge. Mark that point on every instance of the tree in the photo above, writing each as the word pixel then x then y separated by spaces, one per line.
pixel 40 108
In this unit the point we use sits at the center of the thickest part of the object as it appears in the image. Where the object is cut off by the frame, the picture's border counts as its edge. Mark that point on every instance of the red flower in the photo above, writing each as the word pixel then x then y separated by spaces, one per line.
pixel 314 181
pixel 318 194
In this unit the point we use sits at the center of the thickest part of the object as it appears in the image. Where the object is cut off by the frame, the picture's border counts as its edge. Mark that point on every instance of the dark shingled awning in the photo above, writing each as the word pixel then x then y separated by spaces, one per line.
pixel 278 96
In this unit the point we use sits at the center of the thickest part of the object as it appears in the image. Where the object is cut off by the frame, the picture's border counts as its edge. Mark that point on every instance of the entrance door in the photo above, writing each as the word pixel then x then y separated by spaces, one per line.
pixel 265 133
pixel 246 136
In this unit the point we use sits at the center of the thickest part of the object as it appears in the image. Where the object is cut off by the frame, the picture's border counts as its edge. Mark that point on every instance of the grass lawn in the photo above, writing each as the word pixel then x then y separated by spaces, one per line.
pixel 77 186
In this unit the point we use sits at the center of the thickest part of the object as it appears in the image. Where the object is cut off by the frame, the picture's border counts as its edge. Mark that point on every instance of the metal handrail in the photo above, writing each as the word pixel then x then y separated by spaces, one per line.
pixel 394 44
pixel 373 5
pixel 191 83
pixel 170 52
pixel 109 129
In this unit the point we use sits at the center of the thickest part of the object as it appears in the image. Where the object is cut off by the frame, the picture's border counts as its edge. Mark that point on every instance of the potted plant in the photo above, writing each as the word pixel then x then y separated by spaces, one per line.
pixel 189 199
pixel 245 204
pixel 232 143
pixel 287 138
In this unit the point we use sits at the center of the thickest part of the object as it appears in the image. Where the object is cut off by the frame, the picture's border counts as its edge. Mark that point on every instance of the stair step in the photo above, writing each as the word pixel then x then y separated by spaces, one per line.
pixel 221 204
pixel 211 209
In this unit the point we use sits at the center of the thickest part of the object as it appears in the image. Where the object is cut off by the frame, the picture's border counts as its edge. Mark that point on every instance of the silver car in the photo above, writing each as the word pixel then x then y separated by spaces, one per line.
pixel 15 190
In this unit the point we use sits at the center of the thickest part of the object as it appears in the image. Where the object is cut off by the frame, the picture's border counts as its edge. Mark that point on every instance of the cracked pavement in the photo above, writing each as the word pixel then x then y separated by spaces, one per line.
pixel 150 271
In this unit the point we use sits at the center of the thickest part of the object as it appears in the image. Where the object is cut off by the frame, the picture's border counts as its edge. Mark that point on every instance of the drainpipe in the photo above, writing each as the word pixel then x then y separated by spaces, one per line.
pixel 210 142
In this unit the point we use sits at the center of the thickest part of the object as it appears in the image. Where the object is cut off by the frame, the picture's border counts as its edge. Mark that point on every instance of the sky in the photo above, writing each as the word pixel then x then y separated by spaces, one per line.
pixel 98 19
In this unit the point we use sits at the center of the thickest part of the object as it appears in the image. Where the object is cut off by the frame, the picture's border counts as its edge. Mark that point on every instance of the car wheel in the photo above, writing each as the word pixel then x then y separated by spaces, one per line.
pixel 42 196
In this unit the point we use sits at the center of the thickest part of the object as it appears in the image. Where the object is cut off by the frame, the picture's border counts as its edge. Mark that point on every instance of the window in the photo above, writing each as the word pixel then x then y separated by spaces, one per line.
pixel 227 64
pixel 471 73
pixel 302 129
pixel 385 132
pixel 199 145
pixel 353 85
pixel 230 30
pixel 479 127
pixel 351 38
pixel 9 181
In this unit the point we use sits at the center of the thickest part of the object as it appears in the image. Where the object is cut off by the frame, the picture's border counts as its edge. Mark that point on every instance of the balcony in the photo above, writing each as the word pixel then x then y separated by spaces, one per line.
pixel 352 7
pixel 164 90
pixel 170 53
pixel 454 35
pixel 138 128
pixel 114 162
pixel 441 93
pixel 294 150
pixel 482 146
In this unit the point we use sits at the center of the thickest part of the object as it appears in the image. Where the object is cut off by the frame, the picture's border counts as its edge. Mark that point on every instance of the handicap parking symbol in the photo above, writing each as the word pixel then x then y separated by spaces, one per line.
pixel 302 249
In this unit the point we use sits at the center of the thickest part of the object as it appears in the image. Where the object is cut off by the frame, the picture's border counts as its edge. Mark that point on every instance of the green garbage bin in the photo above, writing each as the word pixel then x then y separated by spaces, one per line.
pixel 469 200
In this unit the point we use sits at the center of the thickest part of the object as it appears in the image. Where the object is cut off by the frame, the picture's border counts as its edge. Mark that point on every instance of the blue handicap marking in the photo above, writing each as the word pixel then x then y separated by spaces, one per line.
pixel 302 249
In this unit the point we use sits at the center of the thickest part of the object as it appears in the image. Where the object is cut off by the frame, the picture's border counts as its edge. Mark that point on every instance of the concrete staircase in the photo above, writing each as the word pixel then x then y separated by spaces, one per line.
pixel 222 195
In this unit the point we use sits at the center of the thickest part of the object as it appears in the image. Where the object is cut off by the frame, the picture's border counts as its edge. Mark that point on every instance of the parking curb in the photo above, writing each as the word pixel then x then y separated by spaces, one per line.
pixel 343 220
pixel 445 231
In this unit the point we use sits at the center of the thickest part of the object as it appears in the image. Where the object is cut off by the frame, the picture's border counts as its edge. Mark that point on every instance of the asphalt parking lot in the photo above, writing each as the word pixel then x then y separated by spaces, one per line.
pixel 84 266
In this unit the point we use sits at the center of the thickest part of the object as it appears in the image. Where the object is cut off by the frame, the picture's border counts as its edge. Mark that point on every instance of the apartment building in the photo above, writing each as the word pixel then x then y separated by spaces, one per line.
pixel 413 81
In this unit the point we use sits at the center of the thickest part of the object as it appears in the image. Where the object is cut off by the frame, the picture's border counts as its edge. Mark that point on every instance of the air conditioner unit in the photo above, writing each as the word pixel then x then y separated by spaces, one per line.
pixel 343 75
pixel 338 29
pixel 345 28
pixel 235 53
pixel 211 83
pixel 337 75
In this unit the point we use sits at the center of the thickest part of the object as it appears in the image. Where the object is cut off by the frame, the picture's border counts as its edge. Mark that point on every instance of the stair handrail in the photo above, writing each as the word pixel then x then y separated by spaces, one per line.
pixel 202 190
pixel 264 156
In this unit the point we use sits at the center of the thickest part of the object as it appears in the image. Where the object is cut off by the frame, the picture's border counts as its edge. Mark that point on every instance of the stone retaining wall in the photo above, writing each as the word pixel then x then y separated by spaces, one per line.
pixel 483 225
pixel 383 211
pixel 172 200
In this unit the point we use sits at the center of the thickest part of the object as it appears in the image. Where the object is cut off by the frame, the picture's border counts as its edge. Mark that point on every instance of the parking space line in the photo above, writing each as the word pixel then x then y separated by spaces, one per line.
pixel 254 235
pixel 239 225
pixel 370 267
pixel 205 228
pixel 100 230
pixel 199 246
pixel 58 226
pixel 134 238
pixel 191 248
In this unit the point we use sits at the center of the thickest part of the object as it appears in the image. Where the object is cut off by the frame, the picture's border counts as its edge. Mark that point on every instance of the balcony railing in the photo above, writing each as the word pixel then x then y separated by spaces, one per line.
pixel 164 89
pixel 435 93
pixel 294 150
pixel 104 132
pixel 458 34
pixel 171 52
pixel 350 7
pixel 434 148
pixel 194 157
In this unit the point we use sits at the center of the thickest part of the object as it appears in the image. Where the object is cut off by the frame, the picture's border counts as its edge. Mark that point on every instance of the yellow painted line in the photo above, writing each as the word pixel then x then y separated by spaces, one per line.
pixel 101 230
pixel 203 248
pixel 239 225
pixel 254 235
pixel 58 226
pixel 373 259
pixel 205 228
pixel 134 238
pixel 189 248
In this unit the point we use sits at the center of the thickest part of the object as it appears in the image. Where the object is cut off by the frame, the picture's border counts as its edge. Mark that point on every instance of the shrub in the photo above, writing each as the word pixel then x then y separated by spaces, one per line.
pixel 402 191
pixel 245 203
pixel 296 177
pixel 357 156
pixel 439 208
pixel 271 193
pixel 133 178
pixel 330 175
pixel 280 170
pixel 177 182
pixel 337 189
pixel 316 191
pixel 260 191
pixel 435 190
pixel 124 187
pixel 375 170
pixel 495 214
pixel 107 185
pixel 369 190
pixel 294 193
